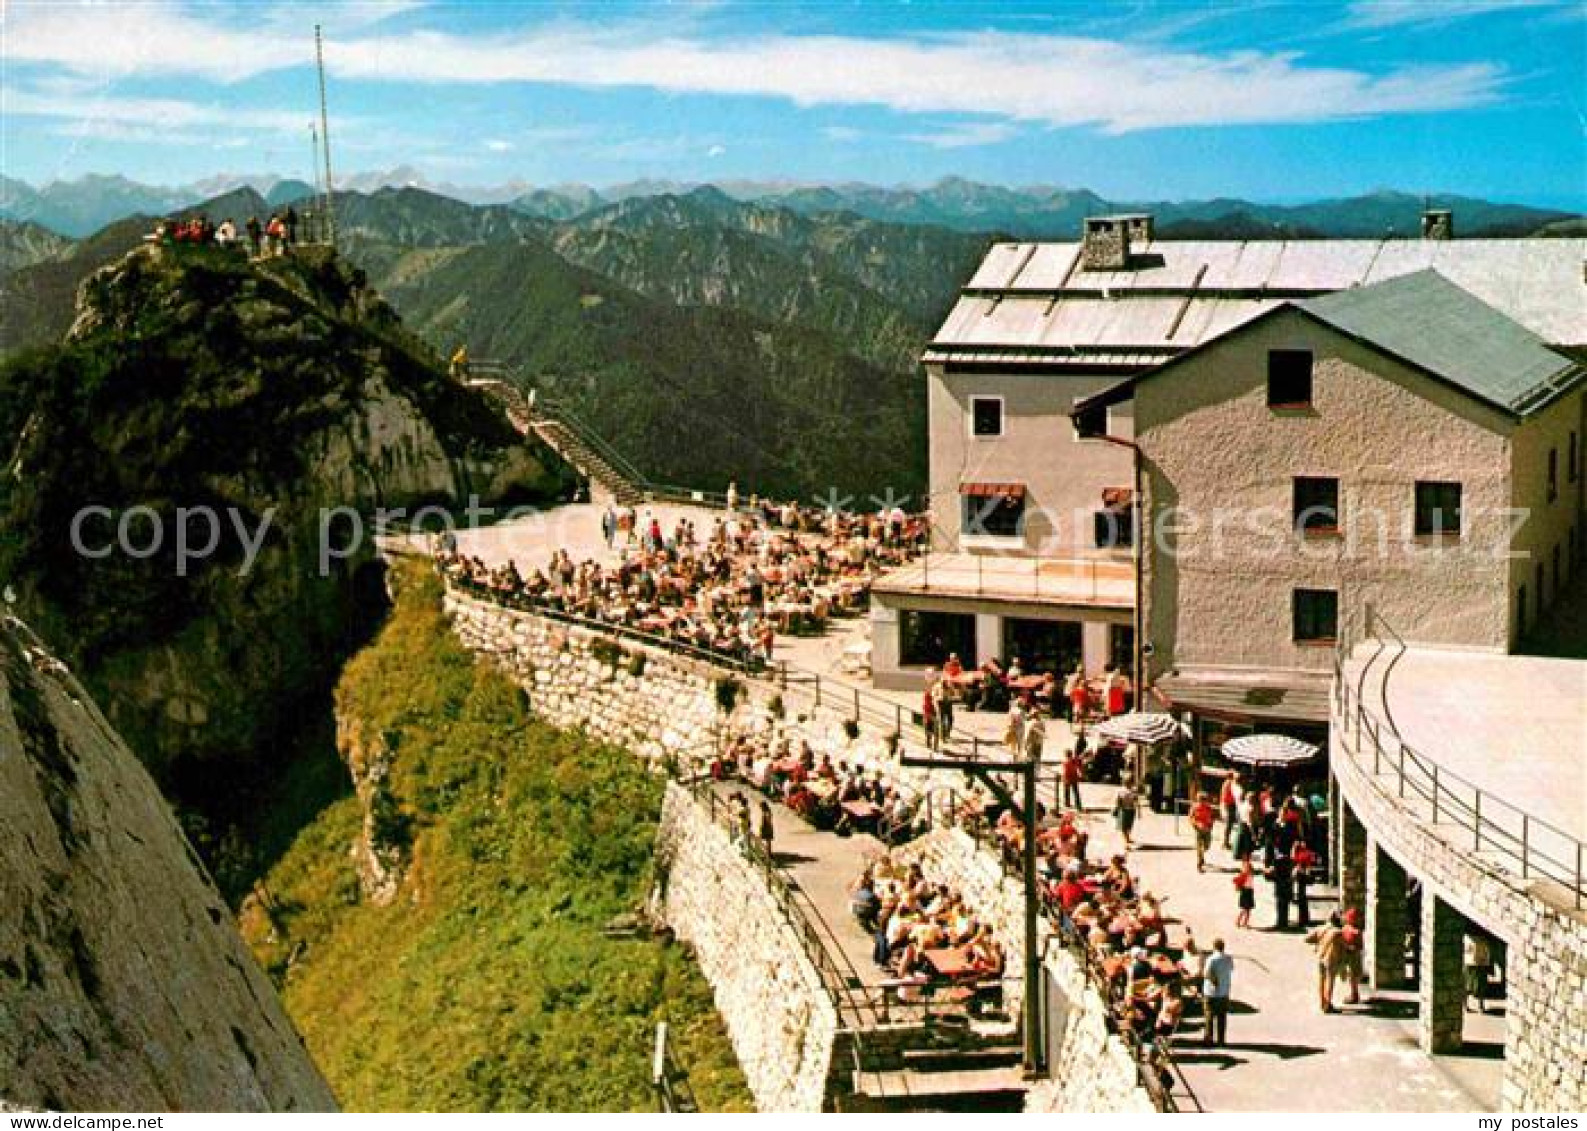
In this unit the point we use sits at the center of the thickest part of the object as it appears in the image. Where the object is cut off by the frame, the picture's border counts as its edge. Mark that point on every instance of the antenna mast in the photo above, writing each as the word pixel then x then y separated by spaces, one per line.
pixel 325 138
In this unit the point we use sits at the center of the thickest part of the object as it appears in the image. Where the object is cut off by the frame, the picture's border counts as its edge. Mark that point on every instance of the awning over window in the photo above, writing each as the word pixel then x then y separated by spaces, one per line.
pixel 993 490
pixel 1117 497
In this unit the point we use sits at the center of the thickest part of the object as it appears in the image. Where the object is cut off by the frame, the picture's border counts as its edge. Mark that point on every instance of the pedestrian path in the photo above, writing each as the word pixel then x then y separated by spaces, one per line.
pixel 1284 1054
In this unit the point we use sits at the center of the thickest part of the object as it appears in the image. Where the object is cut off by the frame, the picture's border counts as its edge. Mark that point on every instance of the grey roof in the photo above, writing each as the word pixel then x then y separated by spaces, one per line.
pixel 1037 298
pixel 1425 319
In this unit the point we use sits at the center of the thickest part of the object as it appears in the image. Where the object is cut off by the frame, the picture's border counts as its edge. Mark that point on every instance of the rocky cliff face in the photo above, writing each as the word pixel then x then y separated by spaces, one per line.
pixel 123 982
pixel 255 407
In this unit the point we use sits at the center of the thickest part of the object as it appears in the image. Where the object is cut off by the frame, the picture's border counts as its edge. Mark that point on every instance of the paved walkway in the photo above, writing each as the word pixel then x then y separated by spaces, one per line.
pixel 1285 1055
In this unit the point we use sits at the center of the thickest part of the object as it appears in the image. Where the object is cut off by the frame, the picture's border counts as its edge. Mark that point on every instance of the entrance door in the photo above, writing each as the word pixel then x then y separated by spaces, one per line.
pixel 1042 645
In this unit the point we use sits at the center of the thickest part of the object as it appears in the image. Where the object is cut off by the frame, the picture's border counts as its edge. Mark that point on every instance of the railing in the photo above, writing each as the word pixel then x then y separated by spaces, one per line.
pixel 1469 817
pixel 558 411
pixel 1083 580
pixel 1155 1063
pixel 743 665
pixel 838 977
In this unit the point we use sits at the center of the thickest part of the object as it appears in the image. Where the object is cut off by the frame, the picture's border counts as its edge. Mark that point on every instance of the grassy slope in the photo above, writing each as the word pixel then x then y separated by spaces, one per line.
pixel 488 984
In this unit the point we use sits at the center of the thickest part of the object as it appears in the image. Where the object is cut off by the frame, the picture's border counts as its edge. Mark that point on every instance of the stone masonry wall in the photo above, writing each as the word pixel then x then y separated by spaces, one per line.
pixel 778 1013
pixel 1545 1052
pixel 1093 1070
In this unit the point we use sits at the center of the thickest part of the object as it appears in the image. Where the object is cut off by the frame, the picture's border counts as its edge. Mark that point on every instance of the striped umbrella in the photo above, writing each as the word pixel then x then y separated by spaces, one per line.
pixel 1144 727
pixel 1268 750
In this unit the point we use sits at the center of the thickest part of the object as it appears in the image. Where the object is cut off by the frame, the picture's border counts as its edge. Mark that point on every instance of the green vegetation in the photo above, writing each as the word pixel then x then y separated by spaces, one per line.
pixel 488 983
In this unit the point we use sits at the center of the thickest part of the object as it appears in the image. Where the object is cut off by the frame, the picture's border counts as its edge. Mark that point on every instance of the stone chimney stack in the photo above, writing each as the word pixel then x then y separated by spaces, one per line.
pixel 1438 224
pixel 1107 240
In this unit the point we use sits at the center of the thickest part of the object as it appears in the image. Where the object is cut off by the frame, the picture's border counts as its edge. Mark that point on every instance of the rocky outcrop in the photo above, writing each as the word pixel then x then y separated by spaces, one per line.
pixel 284 399
pixel 124 985
pixel 380 854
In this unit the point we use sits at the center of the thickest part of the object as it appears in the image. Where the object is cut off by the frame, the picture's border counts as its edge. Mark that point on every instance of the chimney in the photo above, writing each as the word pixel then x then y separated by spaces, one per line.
pixel 1106 240
pixel 1438 224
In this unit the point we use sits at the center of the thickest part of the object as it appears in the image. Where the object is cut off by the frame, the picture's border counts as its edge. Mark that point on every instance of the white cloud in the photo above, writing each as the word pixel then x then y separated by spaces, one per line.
pixel 841 133
pixel 84 113
pixel 1394 13
pixel 716 151
pixel 1051 79
pixel 497 145
pixel 965 135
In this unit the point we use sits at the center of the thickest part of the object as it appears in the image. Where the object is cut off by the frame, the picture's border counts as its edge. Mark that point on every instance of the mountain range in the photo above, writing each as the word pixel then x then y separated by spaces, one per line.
pixel 706 335
pixel 79 207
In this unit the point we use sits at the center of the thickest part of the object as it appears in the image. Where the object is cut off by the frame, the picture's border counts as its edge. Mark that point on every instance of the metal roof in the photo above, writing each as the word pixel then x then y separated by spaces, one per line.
pixel 1425 319
pixel 1037 297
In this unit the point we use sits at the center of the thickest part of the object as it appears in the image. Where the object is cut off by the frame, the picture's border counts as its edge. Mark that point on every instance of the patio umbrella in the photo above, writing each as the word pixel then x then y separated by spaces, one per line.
pixel 1271 750
pixel 1144 727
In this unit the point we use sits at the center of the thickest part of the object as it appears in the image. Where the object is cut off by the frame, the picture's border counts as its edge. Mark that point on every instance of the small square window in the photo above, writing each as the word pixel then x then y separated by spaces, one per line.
pixel 986 416
pixel 1316 616
pixel 995 516
pixel 1437 510
pixel 1289 378
pixel 1091 424
pixel 1316 505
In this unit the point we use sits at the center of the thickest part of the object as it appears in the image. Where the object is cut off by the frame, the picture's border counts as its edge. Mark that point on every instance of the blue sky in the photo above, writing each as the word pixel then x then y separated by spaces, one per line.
pixel 1134 100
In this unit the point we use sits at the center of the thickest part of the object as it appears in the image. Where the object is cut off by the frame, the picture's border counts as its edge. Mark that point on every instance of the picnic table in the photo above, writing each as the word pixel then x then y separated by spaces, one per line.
pixel 949 962
pixel 862 810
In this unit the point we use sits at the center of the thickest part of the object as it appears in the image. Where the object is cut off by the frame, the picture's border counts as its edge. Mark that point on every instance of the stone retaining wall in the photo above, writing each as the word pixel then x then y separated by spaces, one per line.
pixel 658 704
pixel 1093 1070
pixel 777 1010
pixel 1546 1019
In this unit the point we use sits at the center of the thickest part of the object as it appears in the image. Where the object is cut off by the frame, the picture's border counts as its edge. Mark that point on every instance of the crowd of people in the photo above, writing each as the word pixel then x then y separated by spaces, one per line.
pixel 923 932
pixel 825 791
pixel 728 590
pixel 274 237
pixel 1029 698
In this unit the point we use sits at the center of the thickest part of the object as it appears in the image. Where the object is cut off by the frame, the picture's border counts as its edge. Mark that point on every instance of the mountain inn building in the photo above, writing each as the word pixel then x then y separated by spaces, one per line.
pixel 1033 507
pixel 1399 461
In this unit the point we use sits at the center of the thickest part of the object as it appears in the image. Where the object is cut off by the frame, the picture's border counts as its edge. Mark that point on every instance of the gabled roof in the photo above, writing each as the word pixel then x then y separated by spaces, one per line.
pixel 1036 303
pixel 1426 320
pixel 1430 324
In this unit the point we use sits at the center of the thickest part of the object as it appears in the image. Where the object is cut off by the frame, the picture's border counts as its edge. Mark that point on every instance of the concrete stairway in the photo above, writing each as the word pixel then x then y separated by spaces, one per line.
pixel 939 1069
pixel 571 440
pixel 568 444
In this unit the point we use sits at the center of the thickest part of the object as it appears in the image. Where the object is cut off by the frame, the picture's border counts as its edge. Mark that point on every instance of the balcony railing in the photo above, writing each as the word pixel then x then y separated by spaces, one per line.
pixel 1469 817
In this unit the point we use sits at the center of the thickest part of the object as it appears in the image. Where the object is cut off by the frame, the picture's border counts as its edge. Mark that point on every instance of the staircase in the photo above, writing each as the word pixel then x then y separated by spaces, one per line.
pixel 940 1068
pixel 609 474
pixel 589 462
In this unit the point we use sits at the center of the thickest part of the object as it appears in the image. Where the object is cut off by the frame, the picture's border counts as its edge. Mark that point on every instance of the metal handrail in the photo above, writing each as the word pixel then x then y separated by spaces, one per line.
pixel 1450 801
pixel 518 603
pixel 801 915
pixel 1148 1056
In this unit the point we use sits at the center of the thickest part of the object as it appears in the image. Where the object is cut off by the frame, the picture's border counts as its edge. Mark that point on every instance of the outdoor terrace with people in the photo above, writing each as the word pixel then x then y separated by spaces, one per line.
pixel 728 590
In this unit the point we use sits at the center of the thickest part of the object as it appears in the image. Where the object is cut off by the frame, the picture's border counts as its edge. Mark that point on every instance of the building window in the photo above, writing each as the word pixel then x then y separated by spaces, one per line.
pixel 993 515
pixel 986 417
pixel 1090 423
pixel 1289 378
pixel 1316 616
pixel 1121 646
pixel 1553 474
pixel 931 637
pixel 1316 505
pixel 1437 510
pixel 1573 463
pixel 1114 528
pixel 1520 611
pixel 1042 645
pixel 1537 585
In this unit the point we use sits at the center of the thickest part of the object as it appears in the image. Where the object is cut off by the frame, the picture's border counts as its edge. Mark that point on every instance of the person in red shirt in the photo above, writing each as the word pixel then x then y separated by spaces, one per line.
pixel 1071 782
pixel 1202 817
pixel 1071 893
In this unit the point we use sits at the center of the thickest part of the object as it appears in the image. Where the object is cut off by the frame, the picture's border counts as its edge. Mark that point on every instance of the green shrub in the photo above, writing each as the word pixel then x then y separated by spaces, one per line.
pixel 727 692
pixel 488 984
